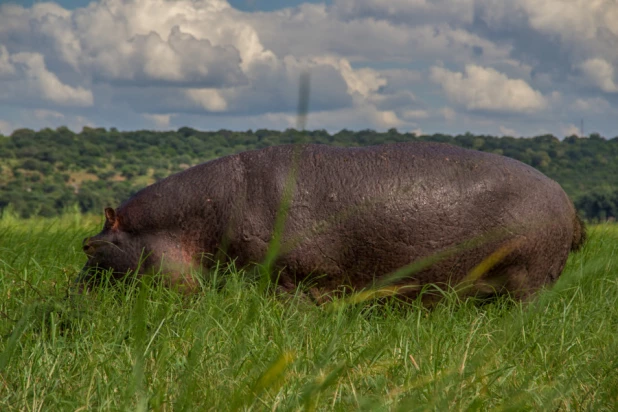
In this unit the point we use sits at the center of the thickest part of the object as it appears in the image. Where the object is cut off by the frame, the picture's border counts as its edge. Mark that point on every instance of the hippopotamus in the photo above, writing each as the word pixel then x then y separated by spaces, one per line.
pixel 399 216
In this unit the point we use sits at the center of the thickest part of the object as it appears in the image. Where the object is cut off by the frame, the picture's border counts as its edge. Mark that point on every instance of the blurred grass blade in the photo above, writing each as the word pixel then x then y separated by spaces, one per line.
pixel 271 379
pixel 303 100
pixel 138 321
pixel 274 246
pixel 273 374
pixel 11 344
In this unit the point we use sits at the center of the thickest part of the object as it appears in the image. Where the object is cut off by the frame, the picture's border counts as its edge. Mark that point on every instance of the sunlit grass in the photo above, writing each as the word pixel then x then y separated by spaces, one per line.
pixel 235 347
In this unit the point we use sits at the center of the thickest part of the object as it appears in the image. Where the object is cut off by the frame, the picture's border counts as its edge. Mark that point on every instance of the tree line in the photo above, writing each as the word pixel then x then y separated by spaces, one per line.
pixel 49 172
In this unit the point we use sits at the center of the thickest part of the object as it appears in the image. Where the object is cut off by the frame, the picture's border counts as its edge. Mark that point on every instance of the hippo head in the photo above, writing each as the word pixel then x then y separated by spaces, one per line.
pixel 111 249
pixel 124 247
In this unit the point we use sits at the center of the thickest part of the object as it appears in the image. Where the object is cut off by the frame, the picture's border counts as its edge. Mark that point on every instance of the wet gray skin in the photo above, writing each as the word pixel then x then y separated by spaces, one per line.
pixel 356 215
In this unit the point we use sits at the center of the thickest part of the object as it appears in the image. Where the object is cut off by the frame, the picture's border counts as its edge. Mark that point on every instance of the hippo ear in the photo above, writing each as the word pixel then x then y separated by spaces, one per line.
pixel 110 215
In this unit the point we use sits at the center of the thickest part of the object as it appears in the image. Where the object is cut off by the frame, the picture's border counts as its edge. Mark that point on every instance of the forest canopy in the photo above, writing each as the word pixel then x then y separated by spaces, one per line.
pixel 49 172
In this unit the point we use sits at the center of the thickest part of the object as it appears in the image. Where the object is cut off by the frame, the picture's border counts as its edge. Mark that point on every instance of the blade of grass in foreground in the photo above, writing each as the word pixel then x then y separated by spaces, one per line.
pixel 274 245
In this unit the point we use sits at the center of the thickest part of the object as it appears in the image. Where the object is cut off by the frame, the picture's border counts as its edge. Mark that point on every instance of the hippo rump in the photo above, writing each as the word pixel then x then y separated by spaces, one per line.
pixel 356 218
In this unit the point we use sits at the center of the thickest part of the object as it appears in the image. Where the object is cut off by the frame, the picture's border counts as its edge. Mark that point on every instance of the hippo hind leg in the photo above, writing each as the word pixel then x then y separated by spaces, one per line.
pixel 522 274
pixel 506 279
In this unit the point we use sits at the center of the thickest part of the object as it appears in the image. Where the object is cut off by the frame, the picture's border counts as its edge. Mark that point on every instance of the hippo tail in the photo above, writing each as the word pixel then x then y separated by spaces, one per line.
pixel 579 233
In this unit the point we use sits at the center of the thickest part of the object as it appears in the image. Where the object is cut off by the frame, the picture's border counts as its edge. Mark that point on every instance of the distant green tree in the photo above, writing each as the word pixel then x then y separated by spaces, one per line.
pixel 41 166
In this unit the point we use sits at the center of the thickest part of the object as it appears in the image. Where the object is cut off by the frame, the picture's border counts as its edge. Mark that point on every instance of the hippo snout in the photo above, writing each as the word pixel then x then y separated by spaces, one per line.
pixel 87 246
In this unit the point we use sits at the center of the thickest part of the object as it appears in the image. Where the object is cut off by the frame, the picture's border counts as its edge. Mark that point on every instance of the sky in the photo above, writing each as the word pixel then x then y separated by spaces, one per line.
pixel 518 67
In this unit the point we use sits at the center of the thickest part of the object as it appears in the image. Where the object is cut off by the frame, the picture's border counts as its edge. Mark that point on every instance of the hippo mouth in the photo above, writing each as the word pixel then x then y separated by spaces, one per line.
pixel 91 276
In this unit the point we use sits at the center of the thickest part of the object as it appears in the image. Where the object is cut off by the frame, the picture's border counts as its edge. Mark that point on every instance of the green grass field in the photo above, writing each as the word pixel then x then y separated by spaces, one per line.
pixel 235 347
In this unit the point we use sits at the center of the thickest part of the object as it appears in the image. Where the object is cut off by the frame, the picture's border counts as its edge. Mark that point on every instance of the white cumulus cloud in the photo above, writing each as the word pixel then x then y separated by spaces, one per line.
pixel 25 76
pixel 47 114
pixel 593 104
pixel 481 88
pixel 571 130
pixel 6 128
pixel 209 99
pixel 506 131
pixel 317 29
pixel 161 121
pixel 181 59
pixel 600 73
